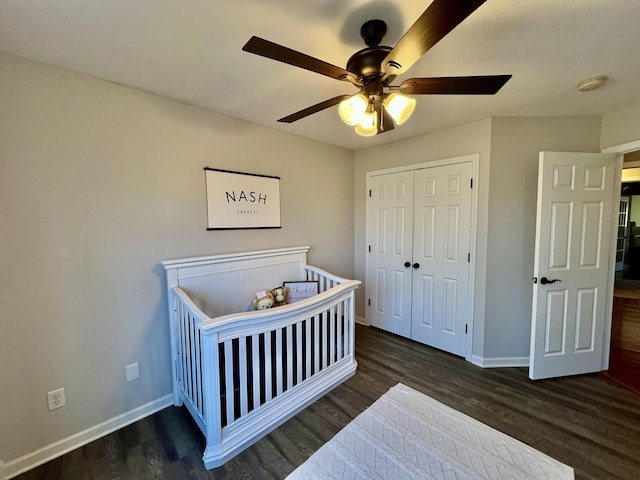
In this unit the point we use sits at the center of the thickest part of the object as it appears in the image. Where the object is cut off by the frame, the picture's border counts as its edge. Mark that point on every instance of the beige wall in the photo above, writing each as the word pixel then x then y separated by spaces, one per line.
pixel 621 126
pixel 634 210
pixel 98 184
pixel 515 147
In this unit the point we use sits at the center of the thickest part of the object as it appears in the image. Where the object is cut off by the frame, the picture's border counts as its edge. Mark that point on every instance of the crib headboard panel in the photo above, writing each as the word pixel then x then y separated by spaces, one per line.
pixel 226 283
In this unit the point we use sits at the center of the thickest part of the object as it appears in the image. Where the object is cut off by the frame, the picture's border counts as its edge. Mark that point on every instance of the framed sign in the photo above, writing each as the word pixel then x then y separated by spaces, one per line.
pixel 301 290
pixel 241 200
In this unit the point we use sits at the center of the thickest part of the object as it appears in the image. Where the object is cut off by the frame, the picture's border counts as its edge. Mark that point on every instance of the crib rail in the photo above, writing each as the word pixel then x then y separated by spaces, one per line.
pixel 325 279
pixel 243 374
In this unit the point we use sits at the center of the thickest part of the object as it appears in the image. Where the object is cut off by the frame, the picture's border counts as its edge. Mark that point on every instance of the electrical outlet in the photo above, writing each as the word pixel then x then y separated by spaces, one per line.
pixel 56 399
pixel 132 371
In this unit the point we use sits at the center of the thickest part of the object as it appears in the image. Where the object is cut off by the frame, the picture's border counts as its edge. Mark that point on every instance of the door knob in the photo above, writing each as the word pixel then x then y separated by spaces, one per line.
pixel 416 265
pixel 407 264
pixel 546 281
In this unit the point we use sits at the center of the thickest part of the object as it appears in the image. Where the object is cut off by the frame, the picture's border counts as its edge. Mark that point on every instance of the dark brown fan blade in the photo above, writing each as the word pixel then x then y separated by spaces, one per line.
pixel 478 85
pixel 314 109
pixel 437 20
pixel 271 50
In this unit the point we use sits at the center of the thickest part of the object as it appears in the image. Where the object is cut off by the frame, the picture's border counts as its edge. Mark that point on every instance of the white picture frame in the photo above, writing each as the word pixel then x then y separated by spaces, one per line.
pixel 301 290
pixel 237 200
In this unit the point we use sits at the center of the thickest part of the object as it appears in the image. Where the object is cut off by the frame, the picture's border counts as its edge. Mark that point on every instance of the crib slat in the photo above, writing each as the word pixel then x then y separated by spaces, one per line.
pixel 299 352
pixel 228 375
pixel 268 391
pixel 242 351
pixel 194 365
pixel 183 349
pixel 349 328
pixel 316 341
pixel 255 357
pixel 325 323
pixel 289 331
pixel 340 333
pixel 279 362
pixel 187 358
pixel 197 385
pixel 308 357
pixel 333 344
pixel 187 343
pixel 198 368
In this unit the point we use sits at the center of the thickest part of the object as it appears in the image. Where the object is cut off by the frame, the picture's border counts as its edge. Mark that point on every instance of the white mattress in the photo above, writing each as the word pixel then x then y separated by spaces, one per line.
pixel 406 434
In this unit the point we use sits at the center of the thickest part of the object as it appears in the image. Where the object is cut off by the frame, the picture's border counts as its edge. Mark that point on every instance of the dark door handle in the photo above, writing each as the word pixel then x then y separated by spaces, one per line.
pixel 546 281
pixel 407 264
pixel 416 265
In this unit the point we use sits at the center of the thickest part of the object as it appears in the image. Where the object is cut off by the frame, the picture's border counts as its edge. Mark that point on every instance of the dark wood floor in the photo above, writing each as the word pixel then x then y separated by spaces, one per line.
pixel 587 422
pixel 624 357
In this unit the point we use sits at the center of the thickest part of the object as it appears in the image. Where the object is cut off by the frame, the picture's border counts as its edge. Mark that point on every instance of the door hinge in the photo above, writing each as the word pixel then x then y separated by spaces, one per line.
pixel 471 183
pixel 466 328
pixel 468 257
pixel 369 248
pixel 369 302
pixel 369 192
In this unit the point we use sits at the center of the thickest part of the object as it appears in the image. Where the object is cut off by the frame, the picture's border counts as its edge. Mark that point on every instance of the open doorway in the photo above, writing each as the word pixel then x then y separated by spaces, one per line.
pixel 628 242
pixel 624 356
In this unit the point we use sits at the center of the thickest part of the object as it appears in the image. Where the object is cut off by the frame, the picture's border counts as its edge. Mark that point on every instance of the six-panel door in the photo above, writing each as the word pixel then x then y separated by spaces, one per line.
pixel 419 234
pixel 572 263
pixel 441 246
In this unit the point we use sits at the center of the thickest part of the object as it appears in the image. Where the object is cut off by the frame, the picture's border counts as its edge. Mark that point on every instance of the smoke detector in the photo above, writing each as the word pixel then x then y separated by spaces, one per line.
pixel 592 83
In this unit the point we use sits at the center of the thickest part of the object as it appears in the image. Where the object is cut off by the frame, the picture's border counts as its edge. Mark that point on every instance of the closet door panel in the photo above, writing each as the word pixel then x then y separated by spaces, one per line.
pixel 441 249
pixel 390 239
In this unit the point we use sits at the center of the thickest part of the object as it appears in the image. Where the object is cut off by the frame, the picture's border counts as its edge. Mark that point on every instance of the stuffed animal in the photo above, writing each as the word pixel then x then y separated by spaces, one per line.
pixel 263 300
pixel 280 295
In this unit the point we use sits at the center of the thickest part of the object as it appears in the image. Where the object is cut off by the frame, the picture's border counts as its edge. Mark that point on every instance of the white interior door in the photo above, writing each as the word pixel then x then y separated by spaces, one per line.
pixel 441 249
pixel 389 232
pixel 572 263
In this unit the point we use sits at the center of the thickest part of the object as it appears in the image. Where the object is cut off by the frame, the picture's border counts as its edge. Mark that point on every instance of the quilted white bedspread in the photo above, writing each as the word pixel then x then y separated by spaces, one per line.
pixel 406 434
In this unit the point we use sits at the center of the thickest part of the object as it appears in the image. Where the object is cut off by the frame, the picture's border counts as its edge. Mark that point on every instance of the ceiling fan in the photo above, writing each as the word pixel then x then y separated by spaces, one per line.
pixel 372 110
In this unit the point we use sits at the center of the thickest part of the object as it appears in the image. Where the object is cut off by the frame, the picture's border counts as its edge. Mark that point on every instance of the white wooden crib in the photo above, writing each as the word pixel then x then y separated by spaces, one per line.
pixel 243 373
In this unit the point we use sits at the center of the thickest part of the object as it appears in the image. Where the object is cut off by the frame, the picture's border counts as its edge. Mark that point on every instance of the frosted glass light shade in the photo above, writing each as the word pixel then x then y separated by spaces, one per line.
pixel 399 107
pixel 368 126
pixel 352 109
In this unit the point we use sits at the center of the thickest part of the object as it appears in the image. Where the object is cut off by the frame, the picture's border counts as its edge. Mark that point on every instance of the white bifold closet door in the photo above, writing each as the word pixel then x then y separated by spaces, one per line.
pixel 419 240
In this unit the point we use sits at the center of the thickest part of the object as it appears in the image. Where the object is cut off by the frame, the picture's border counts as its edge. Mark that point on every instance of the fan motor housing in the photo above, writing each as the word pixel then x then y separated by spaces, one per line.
pixel 366 63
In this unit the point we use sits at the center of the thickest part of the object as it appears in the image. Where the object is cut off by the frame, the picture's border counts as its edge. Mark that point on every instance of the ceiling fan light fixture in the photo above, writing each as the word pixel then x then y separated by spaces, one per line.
pixel 399 107
pixel 353 109
pixel 372 70
pixel 368 126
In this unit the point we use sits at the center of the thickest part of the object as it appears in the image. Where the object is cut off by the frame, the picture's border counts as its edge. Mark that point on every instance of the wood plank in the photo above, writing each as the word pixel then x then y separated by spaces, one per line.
pixel 624 357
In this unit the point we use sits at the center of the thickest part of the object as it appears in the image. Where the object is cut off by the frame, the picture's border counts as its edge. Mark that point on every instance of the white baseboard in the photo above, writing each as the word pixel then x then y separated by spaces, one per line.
pixel 43 455
pixel 362 321
pixel 500 362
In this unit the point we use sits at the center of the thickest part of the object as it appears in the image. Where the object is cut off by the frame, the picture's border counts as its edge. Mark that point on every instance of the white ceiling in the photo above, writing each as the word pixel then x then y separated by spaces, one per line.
pixel 191 51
